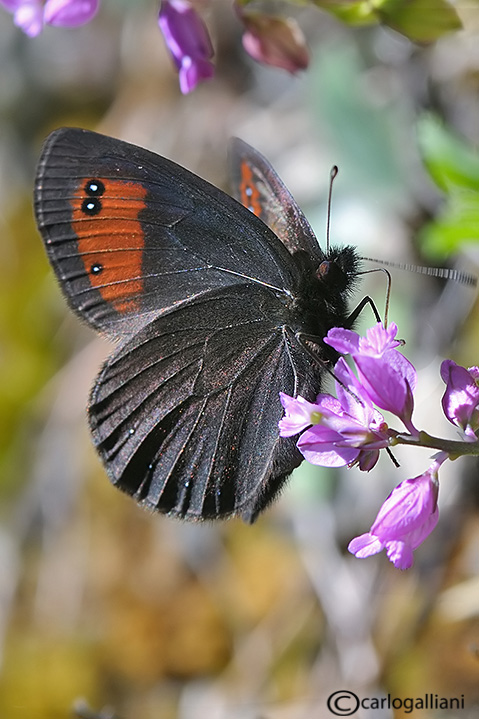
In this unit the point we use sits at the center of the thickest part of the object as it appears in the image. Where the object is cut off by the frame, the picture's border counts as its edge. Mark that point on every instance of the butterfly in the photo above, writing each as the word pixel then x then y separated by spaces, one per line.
pixel 216 305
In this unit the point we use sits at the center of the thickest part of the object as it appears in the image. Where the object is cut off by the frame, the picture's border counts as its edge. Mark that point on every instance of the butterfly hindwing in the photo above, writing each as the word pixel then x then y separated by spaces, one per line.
pixel 185 414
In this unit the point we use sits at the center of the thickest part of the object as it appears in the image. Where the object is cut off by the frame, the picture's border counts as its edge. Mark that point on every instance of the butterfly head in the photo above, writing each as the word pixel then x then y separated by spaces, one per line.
pixel 339 268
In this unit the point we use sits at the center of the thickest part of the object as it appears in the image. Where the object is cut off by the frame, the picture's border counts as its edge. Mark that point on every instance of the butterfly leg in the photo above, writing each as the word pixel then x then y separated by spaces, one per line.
pixel 359 308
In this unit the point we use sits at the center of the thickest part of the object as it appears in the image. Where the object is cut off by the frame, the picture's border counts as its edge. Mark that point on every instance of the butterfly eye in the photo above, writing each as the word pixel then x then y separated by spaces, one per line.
pixel 323 269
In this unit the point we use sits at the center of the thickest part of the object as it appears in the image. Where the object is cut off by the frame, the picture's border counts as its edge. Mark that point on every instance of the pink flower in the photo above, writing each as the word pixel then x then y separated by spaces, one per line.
pixel 378 340
pixel 31 15
pixel 298 414
pixel 343 431
pixel 386 375
pixel 406 518
pixel 461 398
pixel 188 42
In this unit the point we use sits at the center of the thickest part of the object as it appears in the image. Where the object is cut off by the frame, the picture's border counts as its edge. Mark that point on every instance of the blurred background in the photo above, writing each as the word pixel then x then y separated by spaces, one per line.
pixel 107 611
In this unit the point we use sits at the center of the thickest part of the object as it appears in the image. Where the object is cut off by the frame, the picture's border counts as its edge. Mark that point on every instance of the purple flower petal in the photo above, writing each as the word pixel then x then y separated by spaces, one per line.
pixel 29 17
pixel 343 341
pixel 402 366
pixel 11 5
pixel 389 382
pixel 400 554
pixel 379 340
pixel 188 41
pixel 319 445
pixel 474 372
pixel 299 414
pixel 365 546
pixel 461 398
pixel 384 386
pixel 327 404
pixel 407 509
pixel 70 13
pixel 405 519
pixel 192 72
pixel 353 397
pixel 184 31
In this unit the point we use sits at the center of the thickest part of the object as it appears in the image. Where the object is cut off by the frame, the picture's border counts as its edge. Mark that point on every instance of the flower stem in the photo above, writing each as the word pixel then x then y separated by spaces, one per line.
pixel 454 448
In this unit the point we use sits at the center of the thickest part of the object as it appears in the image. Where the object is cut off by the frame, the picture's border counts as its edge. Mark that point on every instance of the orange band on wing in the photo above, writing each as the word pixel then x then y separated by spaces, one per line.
pixel 111 239
pixel 250 196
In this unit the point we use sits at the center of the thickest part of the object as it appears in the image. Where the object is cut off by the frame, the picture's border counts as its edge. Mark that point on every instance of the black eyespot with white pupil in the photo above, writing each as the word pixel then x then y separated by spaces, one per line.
pixel 96 268
pixel 94 188
pixel 91 205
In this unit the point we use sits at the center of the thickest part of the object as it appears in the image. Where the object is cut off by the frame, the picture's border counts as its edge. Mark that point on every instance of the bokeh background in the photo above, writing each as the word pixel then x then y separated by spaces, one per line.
pixel 107 611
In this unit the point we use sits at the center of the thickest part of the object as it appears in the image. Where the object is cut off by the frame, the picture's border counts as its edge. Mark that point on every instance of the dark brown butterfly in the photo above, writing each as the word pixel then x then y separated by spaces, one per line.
pixel 217 306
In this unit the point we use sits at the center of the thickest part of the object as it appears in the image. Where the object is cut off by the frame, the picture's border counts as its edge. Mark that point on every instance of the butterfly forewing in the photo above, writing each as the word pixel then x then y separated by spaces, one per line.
pixel 129 233
pixel 257 186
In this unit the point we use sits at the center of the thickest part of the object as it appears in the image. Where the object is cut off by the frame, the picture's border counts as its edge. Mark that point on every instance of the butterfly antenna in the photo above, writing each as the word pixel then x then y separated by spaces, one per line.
pixel 332 175
pixel 464 278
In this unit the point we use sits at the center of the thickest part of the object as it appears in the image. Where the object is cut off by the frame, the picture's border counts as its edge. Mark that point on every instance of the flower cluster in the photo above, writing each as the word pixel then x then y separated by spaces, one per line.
pixel 268 39
pixel 349 429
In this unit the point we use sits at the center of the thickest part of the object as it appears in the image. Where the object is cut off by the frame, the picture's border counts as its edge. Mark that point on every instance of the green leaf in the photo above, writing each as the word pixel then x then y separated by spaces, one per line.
pixel 450 160
pixel 420 20
pixel 457 225
pixel 355 12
